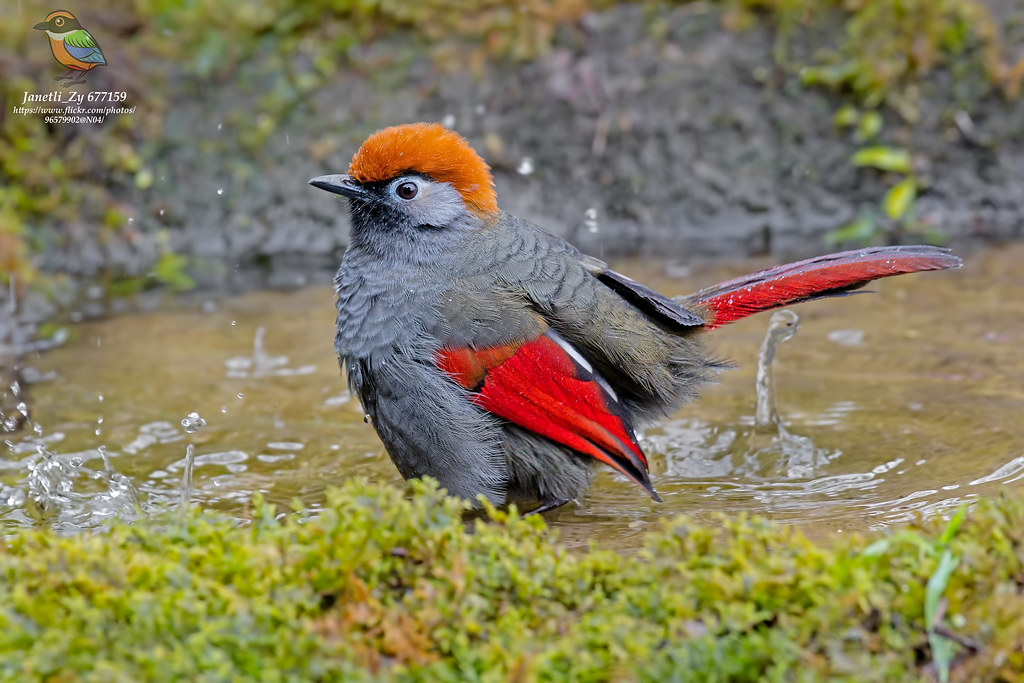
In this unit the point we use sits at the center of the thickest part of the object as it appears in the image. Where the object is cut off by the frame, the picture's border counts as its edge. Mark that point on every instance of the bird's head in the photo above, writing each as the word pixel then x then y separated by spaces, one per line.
pixel 58 23
pixel 415 178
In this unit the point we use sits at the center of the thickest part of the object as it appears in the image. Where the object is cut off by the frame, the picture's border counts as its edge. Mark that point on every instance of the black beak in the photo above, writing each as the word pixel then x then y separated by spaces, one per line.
pixel 340 184
pixel 42 26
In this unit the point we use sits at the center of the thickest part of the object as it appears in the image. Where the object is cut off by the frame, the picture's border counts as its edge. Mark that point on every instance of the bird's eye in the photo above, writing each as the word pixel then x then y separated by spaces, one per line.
pixel 58 21
pixel 407 190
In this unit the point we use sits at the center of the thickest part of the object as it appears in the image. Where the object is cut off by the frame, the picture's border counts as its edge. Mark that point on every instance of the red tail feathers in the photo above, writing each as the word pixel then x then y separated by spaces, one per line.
pixel 821 276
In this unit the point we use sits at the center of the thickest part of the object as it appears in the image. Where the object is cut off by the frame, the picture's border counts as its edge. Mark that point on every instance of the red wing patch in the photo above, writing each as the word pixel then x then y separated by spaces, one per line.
pixel 539 386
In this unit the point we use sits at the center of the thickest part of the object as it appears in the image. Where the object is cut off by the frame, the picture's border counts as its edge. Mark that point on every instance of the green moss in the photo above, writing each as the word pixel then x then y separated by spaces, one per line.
pixel 885 46
pixel 380 586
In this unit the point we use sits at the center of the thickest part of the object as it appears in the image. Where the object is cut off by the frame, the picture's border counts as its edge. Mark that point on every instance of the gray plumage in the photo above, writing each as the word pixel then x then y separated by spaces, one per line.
pixel 407 288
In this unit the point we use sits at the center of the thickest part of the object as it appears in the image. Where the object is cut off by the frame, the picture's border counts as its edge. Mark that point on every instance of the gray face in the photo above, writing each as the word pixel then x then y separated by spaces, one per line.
pixel 409 217
pixel 408 202
pixel 424 203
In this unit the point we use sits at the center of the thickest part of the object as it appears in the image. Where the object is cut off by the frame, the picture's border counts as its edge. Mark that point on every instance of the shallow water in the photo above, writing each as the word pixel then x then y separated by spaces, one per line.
pixel 903 402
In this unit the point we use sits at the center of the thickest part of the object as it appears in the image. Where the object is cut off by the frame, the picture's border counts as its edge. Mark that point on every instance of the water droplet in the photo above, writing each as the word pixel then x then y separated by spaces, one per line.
pixel 219 126
pixel 233 323
pixel 590 220
pixel 161 212
pixel 131 220
pixel 224 409
pixel 525 166
pixel 99 397
pixel 193 423
pixel 448 120
pixel 220 190
pixel 240 395
pixel 186 475
pixel 76 462
pixel 367 419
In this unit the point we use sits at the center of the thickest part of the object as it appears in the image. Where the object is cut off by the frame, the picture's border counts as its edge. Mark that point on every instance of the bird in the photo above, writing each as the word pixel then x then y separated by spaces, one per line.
pixel 498 359
pixel 72 46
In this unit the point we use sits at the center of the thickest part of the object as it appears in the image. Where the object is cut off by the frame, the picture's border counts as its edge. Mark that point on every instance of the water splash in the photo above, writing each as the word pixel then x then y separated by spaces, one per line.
pixel 192 423
pixel 61 490
pixel 261 363
pixel 758 455
pixel 782 327
pixel 770 443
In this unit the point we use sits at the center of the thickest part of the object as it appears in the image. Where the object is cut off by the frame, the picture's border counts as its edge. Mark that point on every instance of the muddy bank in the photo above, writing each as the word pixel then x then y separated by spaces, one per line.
pixel 643 131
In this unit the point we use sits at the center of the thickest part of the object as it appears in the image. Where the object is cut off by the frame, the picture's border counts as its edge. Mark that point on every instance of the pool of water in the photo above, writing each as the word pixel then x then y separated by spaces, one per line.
pixel 905 401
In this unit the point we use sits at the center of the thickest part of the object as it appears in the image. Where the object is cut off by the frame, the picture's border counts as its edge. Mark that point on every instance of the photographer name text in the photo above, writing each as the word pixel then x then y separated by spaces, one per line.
pixel 64 107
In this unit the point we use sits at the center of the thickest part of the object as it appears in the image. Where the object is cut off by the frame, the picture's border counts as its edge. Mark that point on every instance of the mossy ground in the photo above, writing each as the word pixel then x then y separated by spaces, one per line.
pixel 379 585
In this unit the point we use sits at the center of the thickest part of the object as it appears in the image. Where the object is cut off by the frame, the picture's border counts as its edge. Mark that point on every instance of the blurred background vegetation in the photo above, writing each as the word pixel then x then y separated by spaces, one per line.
pixel 259 68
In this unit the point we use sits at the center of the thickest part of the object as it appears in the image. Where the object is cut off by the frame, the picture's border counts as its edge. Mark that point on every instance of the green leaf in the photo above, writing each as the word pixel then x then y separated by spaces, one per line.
pixel 847 116
pixel 954 524
pixel 899 198
pixel 869 125
pixel 144 179
pixel 942 647
pixel 170 270
pixel 860 230
pixel 877 548
pixel 882 545
pixel 883 158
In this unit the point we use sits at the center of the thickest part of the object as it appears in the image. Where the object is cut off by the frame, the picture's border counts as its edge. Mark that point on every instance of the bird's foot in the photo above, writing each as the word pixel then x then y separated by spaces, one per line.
pixel 547 506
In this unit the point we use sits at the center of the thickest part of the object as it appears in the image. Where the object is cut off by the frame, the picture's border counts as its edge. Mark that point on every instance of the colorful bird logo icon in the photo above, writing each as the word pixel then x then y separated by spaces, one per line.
pixel 72 46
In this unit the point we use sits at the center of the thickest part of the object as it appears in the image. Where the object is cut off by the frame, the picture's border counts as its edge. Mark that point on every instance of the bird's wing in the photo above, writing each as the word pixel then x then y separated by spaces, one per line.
pixel 657 306
pixel 82 46
pixel 644 344
pixel 544 385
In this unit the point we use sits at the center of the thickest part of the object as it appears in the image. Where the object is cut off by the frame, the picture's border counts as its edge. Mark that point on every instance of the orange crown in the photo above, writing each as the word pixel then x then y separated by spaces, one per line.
pixel 434 151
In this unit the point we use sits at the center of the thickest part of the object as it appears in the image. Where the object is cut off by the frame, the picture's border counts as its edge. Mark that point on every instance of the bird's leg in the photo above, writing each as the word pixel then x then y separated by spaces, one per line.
pixel 547 506
pixel 69 74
